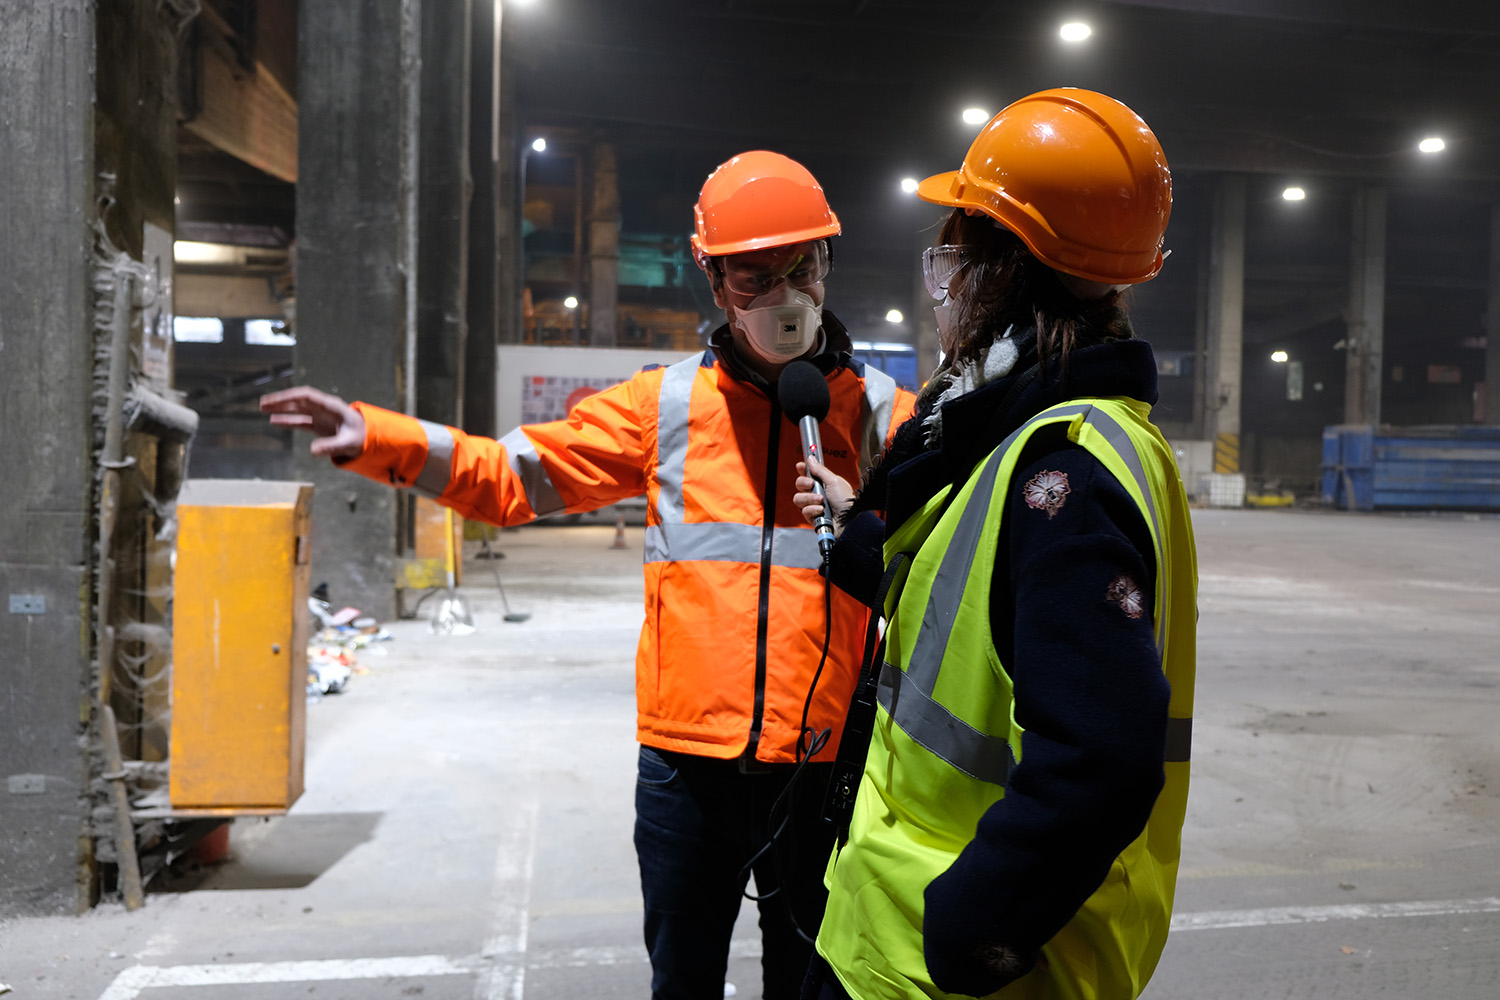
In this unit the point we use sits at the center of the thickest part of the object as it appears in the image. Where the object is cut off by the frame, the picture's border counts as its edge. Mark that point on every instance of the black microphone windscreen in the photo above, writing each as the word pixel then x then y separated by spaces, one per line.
pixel 803 391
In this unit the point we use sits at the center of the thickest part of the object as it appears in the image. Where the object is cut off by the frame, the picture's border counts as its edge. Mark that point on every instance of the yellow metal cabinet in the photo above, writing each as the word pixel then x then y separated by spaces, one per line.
pixel 239 646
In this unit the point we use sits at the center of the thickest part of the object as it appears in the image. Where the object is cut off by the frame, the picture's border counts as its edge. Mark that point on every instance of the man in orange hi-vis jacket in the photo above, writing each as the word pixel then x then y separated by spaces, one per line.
pixel 735 620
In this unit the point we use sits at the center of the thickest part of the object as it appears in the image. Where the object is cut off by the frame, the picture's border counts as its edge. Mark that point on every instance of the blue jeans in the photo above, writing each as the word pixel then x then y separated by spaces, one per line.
pixel 700 829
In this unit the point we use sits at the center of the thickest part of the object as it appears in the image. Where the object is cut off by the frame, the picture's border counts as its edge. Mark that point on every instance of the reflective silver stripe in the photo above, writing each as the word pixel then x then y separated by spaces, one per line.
pixel 880 404
pixel 796 548
pixel 672 413
pixel 958 559
pixel 928 722
pixel 541 495
pixel 979 755
pixel 1121 442
pixel 438 469
pixel 1179 741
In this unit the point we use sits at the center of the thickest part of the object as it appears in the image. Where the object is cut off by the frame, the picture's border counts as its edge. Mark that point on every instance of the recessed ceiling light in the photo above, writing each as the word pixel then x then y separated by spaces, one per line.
pixel 1432 144
pixel 894 316
pixel 571 302
pixel 975 116
pixel 539 144
pixel 909 185
pixel 1294 194
pixel 1279 357
pixel 1074 31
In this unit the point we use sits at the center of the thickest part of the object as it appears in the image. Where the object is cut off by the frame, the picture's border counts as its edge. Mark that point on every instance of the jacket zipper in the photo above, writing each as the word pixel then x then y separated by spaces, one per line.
pixel 762 625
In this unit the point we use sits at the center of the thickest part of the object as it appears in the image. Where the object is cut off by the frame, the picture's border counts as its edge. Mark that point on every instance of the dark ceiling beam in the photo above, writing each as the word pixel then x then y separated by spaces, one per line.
pixel 249 115
pixel 1457 17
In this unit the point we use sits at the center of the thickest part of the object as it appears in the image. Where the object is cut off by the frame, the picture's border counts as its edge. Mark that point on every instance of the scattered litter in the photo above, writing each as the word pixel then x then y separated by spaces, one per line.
pixel 328 670
pixel 331 659
pixel 4 988
pixel 1346 886
pixel 343 616
pixel 1346 949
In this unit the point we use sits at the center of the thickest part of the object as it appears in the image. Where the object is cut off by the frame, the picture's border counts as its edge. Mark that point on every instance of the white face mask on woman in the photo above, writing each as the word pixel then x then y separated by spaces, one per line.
pixel 780 325
pixel 943 312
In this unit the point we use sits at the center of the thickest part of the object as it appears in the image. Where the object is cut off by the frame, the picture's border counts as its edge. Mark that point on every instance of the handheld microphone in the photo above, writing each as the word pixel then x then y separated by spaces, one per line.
pixel 803 392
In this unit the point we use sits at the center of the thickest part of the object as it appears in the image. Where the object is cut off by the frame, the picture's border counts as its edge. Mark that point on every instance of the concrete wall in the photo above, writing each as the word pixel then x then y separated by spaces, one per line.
pixel 46 200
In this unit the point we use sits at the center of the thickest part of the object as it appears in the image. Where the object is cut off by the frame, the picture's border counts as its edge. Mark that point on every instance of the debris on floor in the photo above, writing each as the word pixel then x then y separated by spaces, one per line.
pixel 331 658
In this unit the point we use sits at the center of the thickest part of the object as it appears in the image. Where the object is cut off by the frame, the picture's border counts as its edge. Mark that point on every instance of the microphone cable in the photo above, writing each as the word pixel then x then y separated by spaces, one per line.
pixel 809 744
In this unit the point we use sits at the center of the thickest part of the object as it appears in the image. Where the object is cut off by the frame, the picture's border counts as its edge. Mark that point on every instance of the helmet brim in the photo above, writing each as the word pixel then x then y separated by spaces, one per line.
pixel 788 239
pixel 940 190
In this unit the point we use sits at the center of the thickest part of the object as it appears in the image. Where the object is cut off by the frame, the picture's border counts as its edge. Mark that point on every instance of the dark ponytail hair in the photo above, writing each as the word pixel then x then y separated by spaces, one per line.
pixel 1003 284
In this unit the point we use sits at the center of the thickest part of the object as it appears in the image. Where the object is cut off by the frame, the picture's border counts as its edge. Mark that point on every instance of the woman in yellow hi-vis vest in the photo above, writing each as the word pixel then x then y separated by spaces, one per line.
pixel 1017 823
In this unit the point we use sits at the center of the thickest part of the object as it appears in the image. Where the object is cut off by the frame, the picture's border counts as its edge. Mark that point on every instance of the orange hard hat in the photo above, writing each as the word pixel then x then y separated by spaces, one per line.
pixel 758 200
pixel 1078 176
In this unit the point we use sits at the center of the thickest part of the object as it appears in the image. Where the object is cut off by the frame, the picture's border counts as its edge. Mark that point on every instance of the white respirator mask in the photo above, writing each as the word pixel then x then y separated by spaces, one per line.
pixel 781 324
pixel 943 313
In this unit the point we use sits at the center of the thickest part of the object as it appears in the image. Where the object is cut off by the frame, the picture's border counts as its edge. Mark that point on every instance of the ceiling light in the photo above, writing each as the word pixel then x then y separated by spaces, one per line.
pixel 1279 357
pixel 571 302
pixel 909 185
pixel 1432 144
pixel 539 144
pixel 1075 31
pixel 975 116
pixel 894 316
pixel 1294 194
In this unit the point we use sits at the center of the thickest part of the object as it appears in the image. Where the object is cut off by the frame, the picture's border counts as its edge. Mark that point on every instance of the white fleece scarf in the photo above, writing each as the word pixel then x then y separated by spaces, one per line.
pixel 995 361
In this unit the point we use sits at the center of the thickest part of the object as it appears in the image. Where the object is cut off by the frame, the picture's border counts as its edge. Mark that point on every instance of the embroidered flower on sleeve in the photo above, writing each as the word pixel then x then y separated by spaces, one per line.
pixel 1047 491
pixel 1124 591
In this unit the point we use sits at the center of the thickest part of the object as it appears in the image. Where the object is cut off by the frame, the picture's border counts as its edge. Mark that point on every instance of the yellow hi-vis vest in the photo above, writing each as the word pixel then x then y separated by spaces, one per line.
pixel 945 735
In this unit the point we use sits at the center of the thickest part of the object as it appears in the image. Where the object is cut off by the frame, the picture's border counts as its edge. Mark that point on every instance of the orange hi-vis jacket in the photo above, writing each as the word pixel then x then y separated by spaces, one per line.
pixel 734 601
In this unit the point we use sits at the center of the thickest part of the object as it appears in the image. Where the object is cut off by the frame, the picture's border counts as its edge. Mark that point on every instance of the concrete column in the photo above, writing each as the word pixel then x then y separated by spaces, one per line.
pixel 512 182
pixel 484 212
pixel 443 218
pixel 1492 327
pixel 1200 339
pixel 604 248
pixel 356 262
pixel 1225 348
pixel 46 74
pixel 1365 341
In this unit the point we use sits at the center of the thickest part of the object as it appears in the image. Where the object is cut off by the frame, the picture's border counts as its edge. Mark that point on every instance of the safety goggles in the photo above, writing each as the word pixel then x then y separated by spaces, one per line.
pixel 759 271
pixel 940 264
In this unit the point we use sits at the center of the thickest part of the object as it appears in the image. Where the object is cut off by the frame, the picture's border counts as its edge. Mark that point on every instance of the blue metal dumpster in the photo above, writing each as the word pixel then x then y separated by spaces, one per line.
pixel 1441 467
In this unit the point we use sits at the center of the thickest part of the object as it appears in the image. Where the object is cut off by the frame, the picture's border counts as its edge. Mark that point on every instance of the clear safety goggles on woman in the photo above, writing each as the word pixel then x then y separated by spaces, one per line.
pixel 940 264
pixel 802 266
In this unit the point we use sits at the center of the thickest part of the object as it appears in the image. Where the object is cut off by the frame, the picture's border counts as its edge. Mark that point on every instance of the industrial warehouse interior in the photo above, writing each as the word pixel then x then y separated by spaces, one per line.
pixel 272 728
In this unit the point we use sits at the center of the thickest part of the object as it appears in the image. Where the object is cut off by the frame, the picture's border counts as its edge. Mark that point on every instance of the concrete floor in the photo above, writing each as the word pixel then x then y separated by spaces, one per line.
pixel 466 831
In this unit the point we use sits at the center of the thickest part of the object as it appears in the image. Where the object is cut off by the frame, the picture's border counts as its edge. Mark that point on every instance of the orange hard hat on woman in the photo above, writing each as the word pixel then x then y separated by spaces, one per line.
pixel 757 200
pixel 1078 176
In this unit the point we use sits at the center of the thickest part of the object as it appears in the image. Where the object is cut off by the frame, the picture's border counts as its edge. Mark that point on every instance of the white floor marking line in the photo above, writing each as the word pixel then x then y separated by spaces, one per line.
pixel 510 895
pixel 579 958
pixel 1274 916
pixel 130 982
pixel 502 967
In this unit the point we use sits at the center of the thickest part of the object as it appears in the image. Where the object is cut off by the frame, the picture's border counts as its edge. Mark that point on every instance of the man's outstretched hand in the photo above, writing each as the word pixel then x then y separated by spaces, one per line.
pixel 339 429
